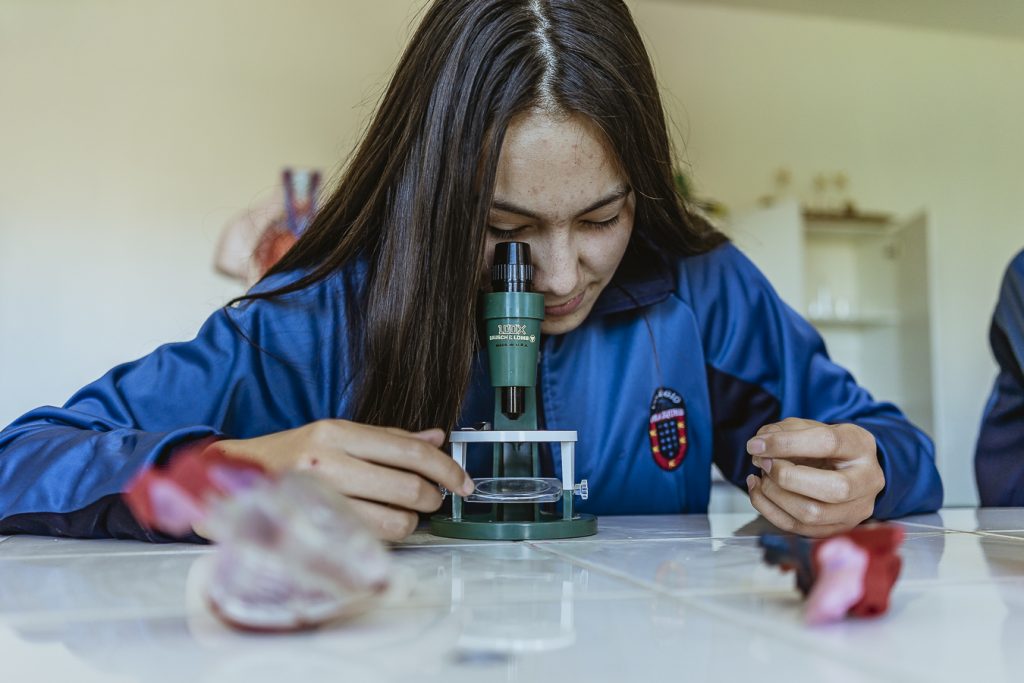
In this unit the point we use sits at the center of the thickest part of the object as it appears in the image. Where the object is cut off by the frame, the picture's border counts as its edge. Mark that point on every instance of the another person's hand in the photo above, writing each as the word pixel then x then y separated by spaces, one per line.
pixel 389 474
pixel 817 479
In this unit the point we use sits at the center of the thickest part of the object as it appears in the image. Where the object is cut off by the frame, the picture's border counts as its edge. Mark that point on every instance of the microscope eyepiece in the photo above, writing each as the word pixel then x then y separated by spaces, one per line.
pixel 513 269
pixel 511 278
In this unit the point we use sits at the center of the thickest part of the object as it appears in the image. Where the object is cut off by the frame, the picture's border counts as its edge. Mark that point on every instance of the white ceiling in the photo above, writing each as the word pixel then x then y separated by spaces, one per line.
pixel 1003 18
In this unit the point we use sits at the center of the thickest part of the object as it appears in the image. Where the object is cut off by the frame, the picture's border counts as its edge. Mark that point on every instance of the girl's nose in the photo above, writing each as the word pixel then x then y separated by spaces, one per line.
pixel 556 265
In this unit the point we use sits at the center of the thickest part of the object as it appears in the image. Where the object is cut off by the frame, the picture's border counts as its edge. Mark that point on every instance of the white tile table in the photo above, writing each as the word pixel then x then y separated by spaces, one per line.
pixel 668 598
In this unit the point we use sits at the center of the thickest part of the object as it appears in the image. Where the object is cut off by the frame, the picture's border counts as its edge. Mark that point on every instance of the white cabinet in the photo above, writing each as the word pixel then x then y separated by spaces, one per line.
pixel 863 284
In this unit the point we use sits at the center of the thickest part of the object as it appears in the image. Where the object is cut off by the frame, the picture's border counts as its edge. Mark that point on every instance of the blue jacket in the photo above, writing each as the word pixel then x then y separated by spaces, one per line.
pixel 999 458
pixel 708 330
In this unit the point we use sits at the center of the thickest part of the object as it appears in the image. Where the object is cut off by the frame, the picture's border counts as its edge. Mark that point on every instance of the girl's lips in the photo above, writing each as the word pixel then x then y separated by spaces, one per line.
pixel 566 308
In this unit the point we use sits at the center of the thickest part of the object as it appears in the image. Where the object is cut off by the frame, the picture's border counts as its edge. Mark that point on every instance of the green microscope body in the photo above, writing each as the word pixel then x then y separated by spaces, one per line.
pixel 516 491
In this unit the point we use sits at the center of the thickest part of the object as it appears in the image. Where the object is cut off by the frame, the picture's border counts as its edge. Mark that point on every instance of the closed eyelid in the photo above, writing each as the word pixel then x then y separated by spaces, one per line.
pixel 507 226
pixel 615 200
pixel 605 213
pixel 600 215
pixel 510 218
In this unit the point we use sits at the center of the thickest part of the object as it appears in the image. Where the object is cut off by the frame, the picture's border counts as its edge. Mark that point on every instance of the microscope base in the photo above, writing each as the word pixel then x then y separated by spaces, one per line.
pixel 483 528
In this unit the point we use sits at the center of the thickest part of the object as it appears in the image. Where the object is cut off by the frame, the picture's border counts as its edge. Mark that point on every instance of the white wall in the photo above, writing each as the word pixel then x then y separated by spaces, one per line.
pixel 130 130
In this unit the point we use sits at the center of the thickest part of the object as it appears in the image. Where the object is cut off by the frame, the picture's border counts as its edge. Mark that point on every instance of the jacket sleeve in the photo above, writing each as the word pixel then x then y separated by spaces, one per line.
pixel 766 363
pixel 252 369
pixel 999 456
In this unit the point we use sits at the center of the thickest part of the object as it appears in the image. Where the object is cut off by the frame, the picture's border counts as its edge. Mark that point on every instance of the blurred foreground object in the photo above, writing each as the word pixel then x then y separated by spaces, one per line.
pixel 290 553
pixel 847 574
pixel 253 241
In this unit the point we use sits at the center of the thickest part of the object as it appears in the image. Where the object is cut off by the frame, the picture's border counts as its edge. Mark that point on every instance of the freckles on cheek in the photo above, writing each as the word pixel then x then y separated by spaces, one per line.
pixel 611 255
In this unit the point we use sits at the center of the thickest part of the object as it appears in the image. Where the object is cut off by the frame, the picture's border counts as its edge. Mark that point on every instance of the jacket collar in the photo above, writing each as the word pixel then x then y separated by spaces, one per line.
pixel 643 278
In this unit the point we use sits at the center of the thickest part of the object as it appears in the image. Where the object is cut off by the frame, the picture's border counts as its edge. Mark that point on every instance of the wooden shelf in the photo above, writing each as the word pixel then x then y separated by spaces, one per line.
pixel 847 217
pixel 838 224
pixel 855 322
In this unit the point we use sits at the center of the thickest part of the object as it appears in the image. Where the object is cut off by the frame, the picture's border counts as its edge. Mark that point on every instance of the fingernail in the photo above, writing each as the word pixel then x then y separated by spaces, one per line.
pixel 467 486
pixel 766 464
pixel 750 482
pixel 755 446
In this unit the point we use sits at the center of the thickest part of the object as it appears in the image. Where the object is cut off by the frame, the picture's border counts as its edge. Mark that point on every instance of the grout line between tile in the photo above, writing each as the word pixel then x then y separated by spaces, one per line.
pixel 919 584
pixel 93 614
pixel 598 539
pixel 984 532
pixel 1000 535
pixel 647 539
pixel 926 526
pixel 977 532
pixel 126 553
pixel 469 544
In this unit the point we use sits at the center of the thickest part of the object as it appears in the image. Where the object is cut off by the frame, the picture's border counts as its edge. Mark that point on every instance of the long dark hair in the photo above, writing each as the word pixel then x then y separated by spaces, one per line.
pixel 413 200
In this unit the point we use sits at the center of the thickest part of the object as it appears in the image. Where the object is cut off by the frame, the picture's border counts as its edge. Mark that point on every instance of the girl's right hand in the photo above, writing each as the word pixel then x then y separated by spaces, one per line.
pixel 389 474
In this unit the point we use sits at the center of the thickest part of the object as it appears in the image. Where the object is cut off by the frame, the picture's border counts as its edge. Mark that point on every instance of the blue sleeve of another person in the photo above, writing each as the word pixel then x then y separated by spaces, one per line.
pixel 999 457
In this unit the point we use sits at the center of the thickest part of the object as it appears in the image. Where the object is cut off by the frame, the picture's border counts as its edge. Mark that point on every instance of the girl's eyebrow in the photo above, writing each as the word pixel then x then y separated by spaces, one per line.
pixel 612 197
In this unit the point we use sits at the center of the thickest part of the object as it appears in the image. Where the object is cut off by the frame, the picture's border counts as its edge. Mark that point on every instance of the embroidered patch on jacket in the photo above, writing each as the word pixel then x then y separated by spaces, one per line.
pixel 668 428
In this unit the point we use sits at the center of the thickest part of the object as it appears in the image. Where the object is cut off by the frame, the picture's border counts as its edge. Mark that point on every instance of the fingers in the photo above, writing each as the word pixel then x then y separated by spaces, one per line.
pixel 818 479
pixel 815 513
pixel 358 478
pixel 845 470
pixel 385 522
pixel 772 512
pixel 825 485
pixel 809 439
pixel 388 447
pixel 784 520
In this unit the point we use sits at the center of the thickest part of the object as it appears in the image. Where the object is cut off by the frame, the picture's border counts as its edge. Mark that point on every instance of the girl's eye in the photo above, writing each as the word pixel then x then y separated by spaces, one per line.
pixel 600 225
pixel 507 233
pixel 503 233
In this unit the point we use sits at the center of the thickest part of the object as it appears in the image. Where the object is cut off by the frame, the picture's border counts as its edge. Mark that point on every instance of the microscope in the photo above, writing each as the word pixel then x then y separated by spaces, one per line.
pixel 515 493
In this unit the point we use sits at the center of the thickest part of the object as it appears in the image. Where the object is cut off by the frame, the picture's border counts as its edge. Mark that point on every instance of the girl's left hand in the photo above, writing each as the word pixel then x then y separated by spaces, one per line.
pixel 817 479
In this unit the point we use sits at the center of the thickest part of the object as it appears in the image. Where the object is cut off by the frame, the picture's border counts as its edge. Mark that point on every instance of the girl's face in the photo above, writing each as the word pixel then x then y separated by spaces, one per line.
pixel 559 189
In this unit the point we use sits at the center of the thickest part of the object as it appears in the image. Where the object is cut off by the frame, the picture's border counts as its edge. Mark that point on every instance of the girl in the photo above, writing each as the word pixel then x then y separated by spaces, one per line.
pixel 531 120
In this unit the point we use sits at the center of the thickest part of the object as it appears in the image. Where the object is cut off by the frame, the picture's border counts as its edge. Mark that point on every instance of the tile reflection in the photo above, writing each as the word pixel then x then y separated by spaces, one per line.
pixel 90 586
pixel 490 625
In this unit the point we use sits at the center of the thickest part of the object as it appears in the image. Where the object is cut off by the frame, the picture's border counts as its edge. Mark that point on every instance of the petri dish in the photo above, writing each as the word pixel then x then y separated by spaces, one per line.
pixel 515 490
